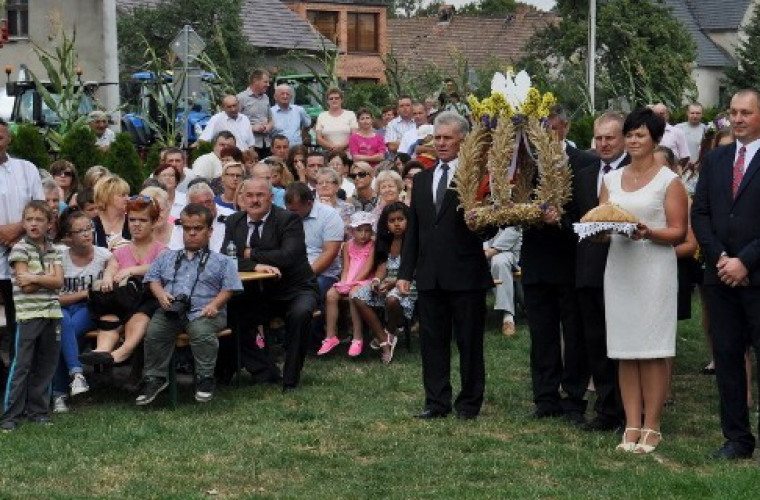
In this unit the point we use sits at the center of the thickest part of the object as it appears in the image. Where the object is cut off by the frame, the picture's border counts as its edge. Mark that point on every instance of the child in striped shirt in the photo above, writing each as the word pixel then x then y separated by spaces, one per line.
pixel 37 275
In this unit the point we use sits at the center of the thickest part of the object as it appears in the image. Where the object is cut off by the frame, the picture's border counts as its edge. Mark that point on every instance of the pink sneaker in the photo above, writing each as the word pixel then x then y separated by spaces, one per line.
pixel 356 348
pixel 328 345
pixel 260 340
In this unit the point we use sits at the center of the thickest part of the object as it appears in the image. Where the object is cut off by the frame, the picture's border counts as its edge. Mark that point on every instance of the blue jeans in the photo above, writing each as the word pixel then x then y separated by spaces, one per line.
pixel 75 323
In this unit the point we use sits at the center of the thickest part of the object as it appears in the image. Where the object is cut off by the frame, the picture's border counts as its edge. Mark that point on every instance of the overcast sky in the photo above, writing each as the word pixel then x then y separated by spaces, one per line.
pixel 541 4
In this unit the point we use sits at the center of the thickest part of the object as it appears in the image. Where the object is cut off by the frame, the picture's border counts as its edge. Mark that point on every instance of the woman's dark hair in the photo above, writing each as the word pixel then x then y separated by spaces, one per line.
pixel 67 218
pixel 411 165
pixel 384 236
pixel 363 111
pixel 645 117
pixel 299 149
pixel 166 166
pixel 232 152
pixel 59 166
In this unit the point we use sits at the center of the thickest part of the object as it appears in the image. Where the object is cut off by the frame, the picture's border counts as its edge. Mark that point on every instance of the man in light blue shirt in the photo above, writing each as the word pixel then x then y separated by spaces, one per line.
pixel 193 286
pixel 289 119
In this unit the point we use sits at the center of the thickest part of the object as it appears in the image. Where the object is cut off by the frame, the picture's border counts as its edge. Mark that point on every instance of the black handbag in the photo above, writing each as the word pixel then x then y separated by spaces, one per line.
pixel 122 301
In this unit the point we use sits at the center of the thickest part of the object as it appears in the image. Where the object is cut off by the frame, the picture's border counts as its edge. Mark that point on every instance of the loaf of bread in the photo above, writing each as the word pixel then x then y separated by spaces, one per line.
pixel 609 212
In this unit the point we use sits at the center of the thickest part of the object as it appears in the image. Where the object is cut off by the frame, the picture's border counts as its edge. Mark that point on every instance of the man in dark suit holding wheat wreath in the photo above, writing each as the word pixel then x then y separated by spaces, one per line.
pixel 452 275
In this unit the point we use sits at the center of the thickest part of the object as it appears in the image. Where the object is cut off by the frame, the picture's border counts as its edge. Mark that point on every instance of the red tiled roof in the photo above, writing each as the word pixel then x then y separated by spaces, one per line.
pixel 419 41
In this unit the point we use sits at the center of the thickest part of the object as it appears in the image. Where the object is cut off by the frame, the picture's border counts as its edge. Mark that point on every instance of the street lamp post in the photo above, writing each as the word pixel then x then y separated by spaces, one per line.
pixel 591 54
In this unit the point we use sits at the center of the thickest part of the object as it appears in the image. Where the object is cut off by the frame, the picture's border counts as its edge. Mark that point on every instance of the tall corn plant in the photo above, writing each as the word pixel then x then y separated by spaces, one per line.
pixel 61 65
pixel 167 96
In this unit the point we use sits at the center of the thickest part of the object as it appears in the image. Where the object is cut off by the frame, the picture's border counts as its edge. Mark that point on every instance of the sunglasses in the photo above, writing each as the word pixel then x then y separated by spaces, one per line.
pixel 65 173
pixel 360 175
pixel 141 197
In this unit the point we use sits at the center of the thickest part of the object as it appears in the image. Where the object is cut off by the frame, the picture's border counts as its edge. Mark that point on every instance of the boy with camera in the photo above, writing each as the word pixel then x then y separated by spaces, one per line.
pixel 193 286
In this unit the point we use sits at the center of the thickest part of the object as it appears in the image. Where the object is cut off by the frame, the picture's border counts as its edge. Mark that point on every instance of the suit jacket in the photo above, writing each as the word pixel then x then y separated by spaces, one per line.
pixel 282 245
pixel 548 252
pixel 722 223
pixel 591 257
pixel 439 249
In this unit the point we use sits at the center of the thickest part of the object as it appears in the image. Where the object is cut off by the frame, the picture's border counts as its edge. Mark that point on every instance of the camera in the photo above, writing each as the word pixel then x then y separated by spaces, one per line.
pixel 180 305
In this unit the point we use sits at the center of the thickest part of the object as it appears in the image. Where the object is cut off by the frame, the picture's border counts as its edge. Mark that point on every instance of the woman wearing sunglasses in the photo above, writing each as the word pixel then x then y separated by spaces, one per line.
pixel 129 261
pixel 65 175
pixel 365 198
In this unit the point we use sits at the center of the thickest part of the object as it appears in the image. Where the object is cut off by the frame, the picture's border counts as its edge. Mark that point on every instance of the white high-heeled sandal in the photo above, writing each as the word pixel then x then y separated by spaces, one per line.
pixel 391 341
pixel 628 446
pixel 642 446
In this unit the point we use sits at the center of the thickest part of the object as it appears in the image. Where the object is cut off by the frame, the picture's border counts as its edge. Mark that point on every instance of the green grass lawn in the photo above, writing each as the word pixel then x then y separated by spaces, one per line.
pixel 348 433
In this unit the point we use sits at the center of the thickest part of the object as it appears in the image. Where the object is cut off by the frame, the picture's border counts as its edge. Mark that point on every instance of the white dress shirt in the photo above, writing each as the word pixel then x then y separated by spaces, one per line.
pixel 19 183
pixel 439 172
pixel 239 126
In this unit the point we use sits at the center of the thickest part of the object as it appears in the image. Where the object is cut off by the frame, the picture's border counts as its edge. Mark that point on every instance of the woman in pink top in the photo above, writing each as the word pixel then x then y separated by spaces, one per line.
pixel 129 261
pixel 365 144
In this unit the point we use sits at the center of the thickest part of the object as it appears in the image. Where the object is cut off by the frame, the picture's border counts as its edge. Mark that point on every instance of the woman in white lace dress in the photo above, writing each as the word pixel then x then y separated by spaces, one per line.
pixel 640 282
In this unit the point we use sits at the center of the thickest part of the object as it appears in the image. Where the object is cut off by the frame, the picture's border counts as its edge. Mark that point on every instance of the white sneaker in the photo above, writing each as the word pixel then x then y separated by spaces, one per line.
pixel 59 404
pixel 79 384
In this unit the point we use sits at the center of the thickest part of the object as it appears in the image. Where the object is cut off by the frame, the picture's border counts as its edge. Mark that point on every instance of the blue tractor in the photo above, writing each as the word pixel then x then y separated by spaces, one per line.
pixel 147 93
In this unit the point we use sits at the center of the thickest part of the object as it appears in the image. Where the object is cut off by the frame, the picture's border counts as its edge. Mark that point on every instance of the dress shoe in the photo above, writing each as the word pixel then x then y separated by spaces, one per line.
pixel 730 452
pixel 466 416
pixel 428 414
pixel 287 389
pixel 601 424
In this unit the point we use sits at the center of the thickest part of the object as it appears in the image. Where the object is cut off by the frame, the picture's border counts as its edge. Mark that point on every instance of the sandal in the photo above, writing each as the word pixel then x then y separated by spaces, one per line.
pixel 391 341
pixel 643 447
pixel 628 446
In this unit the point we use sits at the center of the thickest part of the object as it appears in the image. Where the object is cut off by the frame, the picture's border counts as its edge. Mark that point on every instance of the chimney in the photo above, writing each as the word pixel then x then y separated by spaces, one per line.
pixel 445 14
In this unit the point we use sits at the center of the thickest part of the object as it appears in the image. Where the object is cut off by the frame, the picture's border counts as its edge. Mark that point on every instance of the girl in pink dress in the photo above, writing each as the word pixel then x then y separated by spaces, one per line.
pixel 358 256
pixel 365 144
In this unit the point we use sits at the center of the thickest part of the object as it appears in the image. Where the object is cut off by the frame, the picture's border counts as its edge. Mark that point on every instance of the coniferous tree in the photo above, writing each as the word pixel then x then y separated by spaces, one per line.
pixel 29 144
pixel 122 159
pixel 78 146
pixel 747 73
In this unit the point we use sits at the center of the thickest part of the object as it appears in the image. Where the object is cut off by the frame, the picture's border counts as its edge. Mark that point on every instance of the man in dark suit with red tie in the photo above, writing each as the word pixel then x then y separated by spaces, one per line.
pixel 452 275
pixel 725 221
pixel 271 240
pixel 591 261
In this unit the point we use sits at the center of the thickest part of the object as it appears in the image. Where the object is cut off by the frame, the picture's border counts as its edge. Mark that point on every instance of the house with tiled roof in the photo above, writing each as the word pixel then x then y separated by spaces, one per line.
pixel 267 24
pixel 438 40
pixel 715 26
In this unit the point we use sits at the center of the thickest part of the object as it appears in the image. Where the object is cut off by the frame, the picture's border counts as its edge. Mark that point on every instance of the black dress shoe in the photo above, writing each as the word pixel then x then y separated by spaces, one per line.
pixel 466 416
pixel 601 424
pixel 287 389
pixel 541 413
pixel 428 414
pixel 730 452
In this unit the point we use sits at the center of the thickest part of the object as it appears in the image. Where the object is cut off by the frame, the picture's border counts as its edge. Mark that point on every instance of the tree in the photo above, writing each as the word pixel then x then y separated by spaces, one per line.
pixel 644 54
pixel 29 145
pixel 747 73
pixel 122 159
pixel 78 146
pixel 217 22
pixel 488 8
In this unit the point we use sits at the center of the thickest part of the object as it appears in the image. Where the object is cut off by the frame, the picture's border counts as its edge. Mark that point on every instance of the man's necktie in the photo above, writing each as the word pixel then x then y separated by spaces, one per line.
pixel 606 168
pixel 440 189
pixel 255 238
pixel 738 170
